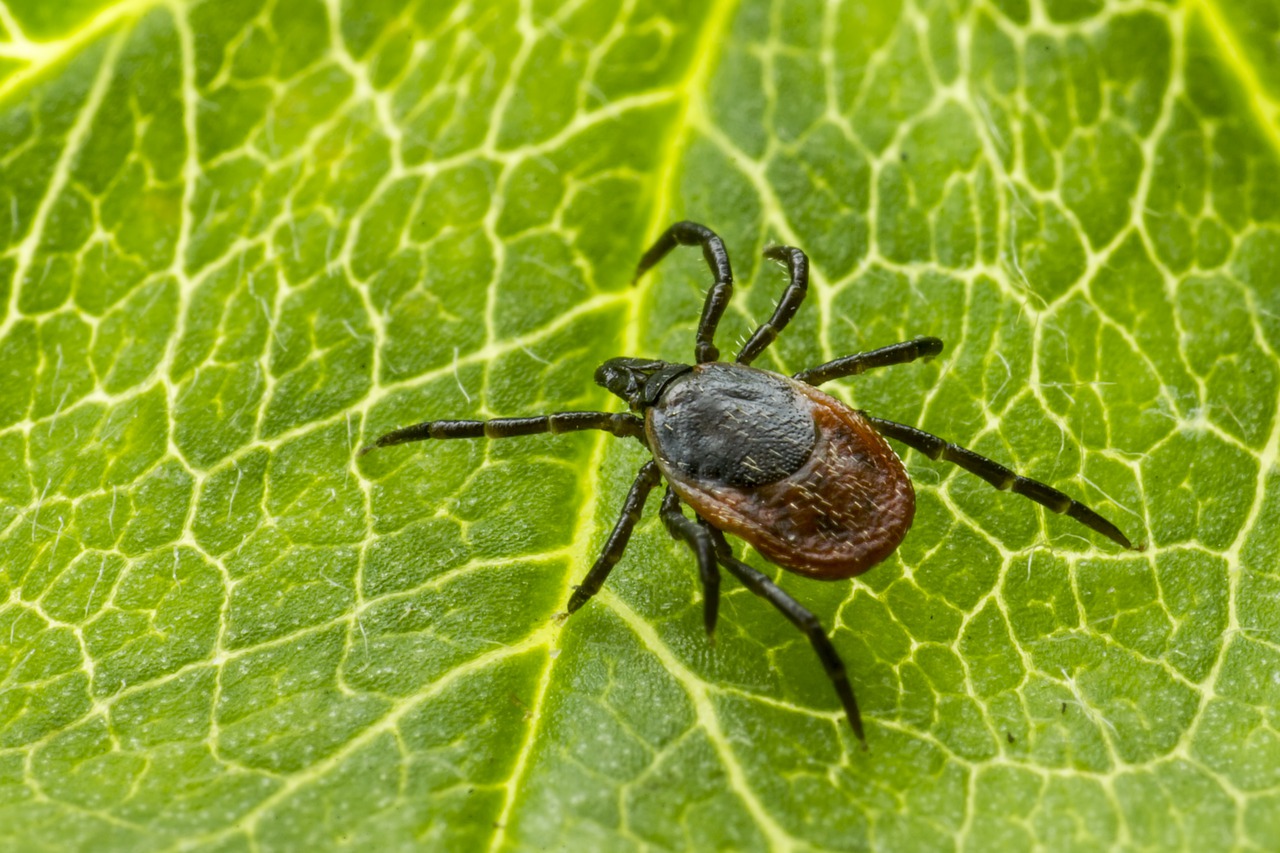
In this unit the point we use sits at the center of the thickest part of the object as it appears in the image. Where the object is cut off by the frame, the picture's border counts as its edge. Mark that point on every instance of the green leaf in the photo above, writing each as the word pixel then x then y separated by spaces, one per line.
pixel 238 240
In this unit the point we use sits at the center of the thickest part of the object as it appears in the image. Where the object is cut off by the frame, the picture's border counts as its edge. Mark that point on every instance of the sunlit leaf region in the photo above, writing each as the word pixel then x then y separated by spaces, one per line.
pixel 239 239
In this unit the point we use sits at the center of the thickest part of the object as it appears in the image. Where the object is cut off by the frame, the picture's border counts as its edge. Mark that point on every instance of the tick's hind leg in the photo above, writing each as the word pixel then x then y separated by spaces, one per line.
pixel 693 234
pixel 618 423
pixel 632 507
pixel 797 287
pixel 699 540
pixel 761 585
pixel 851 365
pixel 999 476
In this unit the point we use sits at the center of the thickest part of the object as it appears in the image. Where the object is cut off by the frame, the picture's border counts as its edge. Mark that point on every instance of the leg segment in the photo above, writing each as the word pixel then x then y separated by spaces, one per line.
pixel 762 586
pixel 798 265
pixel 999 476
pixel 697 538
pixel 632 507
pixel 693 234
pixel 852 365
pixel 618 423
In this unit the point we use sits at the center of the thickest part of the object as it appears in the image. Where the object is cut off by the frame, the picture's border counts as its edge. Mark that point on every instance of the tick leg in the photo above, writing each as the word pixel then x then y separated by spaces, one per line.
pixel 693 234
pixel 761 585
pixel 618 423
pixel 798 265
pixel 999 476
pixel 632 507
pixel 699 541
pixel 851 365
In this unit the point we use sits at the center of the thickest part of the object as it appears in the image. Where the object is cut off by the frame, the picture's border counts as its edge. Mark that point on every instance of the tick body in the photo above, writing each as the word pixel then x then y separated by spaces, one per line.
pixel 804 479
pixel 811 484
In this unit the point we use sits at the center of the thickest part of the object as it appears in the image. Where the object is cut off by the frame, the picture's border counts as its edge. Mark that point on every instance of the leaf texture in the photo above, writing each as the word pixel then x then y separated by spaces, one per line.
pixel 240 239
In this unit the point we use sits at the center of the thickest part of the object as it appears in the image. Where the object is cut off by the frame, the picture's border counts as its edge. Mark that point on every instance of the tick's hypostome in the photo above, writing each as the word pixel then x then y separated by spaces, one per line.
pixel 807 481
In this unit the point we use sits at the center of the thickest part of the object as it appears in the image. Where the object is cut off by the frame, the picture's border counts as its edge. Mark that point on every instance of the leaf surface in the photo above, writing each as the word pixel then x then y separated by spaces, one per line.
pixel 239 240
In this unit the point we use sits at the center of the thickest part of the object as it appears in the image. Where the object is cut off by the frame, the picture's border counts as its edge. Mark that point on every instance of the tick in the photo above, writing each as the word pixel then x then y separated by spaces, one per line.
pixel 808 482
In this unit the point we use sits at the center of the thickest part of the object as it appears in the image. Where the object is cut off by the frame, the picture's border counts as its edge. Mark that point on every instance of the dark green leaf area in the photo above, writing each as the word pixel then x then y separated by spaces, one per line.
pixel 925 617
pixel 279 706
pixel 433 304
pixel 137 637
pixel 230 503
pixel 44 22
pixel 987 644
pixel 310 472
pixel 789 762
pixel 320 355
pixel 408 641
pixel 964 585
pixel 1261 575
pixel 124 443
pixel 617 708
pixel 199 425
pixel 1201 479
pixel 303 587
pixel 1238 741
pixel 84 586
pixel 1122 291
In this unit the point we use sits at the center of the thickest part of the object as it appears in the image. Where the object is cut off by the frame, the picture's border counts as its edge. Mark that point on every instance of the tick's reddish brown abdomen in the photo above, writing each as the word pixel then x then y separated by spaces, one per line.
pixel 793 471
